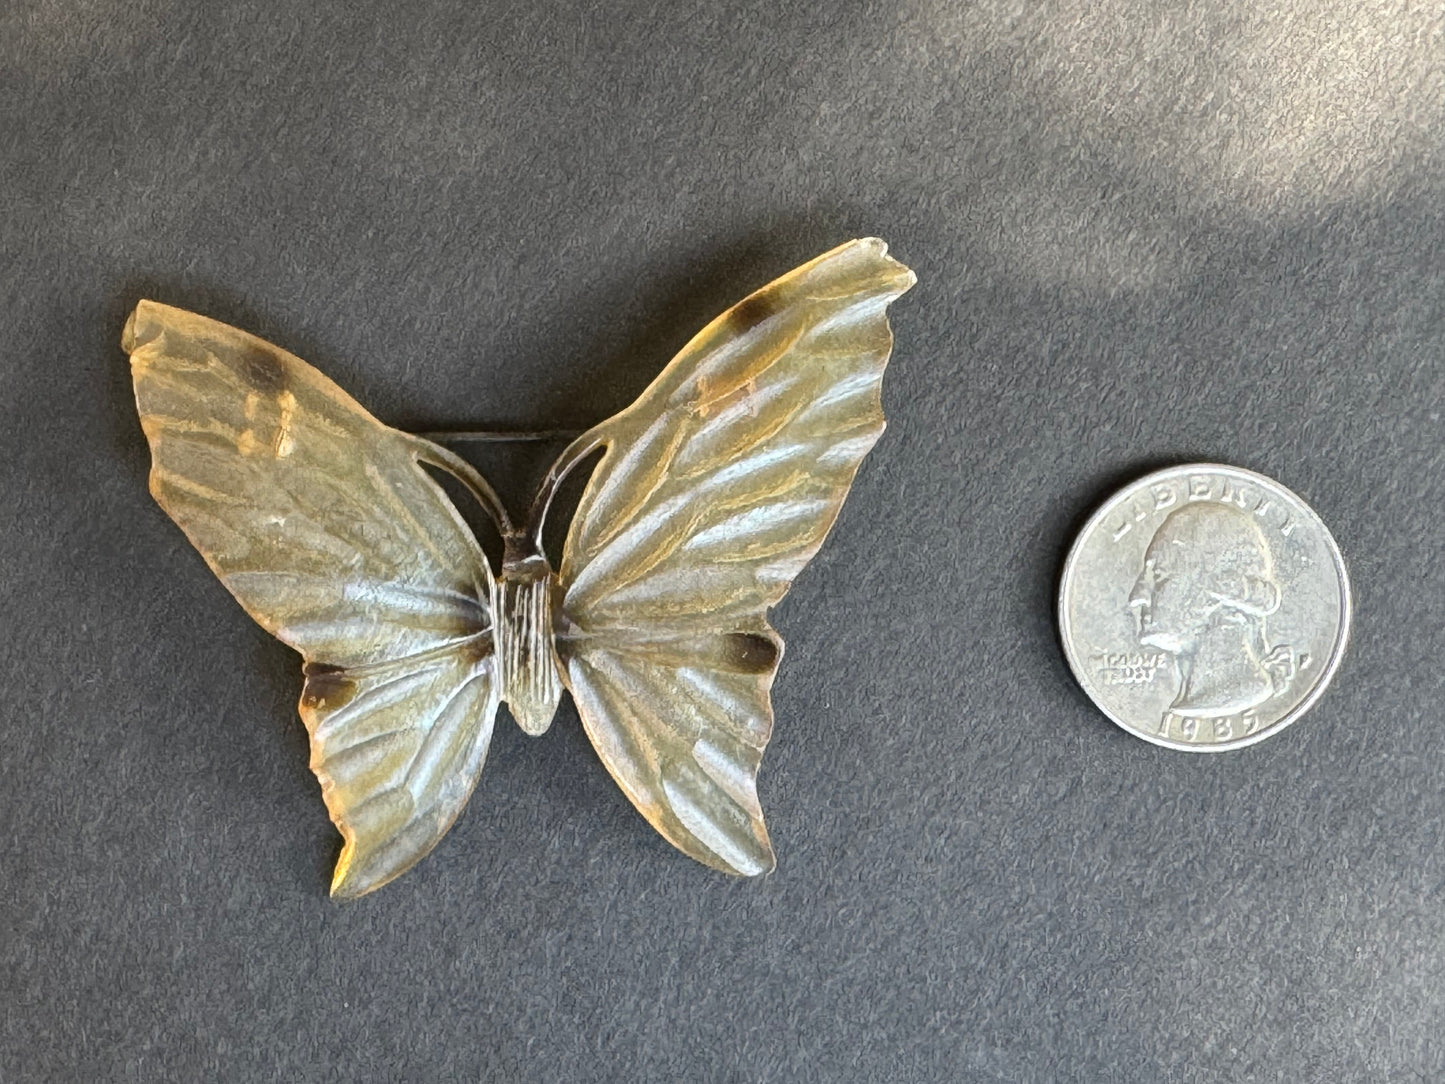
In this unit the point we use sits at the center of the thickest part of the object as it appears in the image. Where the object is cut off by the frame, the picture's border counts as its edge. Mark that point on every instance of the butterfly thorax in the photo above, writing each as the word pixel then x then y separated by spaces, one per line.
pixel 530 675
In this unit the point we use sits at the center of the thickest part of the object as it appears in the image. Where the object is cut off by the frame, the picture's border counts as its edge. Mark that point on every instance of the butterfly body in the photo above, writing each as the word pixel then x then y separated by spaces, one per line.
pixel 530 673
pixel 709 495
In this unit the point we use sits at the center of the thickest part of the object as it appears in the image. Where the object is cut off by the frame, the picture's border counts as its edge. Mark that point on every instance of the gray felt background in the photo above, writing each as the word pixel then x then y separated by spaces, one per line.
pixel 1143 233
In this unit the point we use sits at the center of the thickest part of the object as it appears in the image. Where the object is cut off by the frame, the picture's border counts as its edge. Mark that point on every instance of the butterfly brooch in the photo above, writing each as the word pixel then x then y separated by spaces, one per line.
pixel 711 493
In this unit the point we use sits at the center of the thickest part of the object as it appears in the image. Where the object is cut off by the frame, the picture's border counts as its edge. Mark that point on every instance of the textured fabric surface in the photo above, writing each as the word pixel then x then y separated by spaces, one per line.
pixel 1144 234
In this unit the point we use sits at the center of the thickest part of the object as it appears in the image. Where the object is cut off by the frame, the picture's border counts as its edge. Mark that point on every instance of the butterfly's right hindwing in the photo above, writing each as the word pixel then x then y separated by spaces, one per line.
pixel 320 521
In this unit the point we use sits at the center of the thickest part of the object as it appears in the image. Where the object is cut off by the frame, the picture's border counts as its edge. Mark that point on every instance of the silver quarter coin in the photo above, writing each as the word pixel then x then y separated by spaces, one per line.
pixel 1204 607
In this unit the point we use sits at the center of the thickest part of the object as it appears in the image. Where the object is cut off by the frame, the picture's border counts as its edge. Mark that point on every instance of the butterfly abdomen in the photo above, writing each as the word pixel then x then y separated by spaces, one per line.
pixel 531 682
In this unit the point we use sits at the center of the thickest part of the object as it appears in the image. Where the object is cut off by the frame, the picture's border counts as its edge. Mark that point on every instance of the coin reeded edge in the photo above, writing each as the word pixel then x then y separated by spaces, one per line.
pixel 1327 674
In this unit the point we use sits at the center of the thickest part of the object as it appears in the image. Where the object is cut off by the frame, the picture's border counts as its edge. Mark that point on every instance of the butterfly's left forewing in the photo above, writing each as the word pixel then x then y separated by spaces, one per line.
pixel 717 486
pixel 321 522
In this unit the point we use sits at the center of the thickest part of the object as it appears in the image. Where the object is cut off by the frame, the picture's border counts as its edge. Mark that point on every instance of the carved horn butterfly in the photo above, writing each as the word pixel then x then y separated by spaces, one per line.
pixel 714 490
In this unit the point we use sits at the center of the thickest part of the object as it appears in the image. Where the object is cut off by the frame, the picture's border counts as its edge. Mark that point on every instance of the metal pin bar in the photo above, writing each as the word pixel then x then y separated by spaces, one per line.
pixel 499 436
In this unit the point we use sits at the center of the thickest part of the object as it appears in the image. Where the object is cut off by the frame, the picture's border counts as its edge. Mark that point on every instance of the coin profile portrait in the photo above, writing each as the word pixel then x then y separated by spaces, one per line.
pixel 1204 607
pixel 703 500
pixel 1204 596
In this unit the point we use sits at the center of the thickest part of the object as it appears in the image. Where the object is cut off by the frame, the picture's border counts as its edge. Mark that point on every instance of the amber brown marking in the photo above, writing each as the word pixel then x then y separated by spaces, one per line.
pixel 327 687
pixel 263 370
pixel 750 312
pixel 749 653
pixel 477 650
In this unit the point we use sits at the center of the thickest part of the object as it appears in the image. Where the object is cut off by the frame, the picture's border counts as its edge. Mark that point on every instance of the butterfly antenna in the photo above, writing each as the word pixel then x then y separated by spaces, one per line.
pixel 573 454
pixel 435 455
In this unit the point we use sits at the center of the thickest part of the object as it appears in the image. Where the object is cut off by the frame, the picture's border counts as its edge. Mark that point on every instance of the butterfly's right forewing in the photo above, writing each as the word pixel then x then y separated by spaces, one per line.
pixel 320 521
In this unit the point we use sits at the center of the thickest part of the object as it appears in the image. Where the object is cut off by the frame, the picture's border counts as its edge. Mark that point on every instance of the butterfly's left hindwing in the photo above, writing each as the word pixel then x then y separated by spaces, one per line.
pixel 320 521
pixel 717 486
